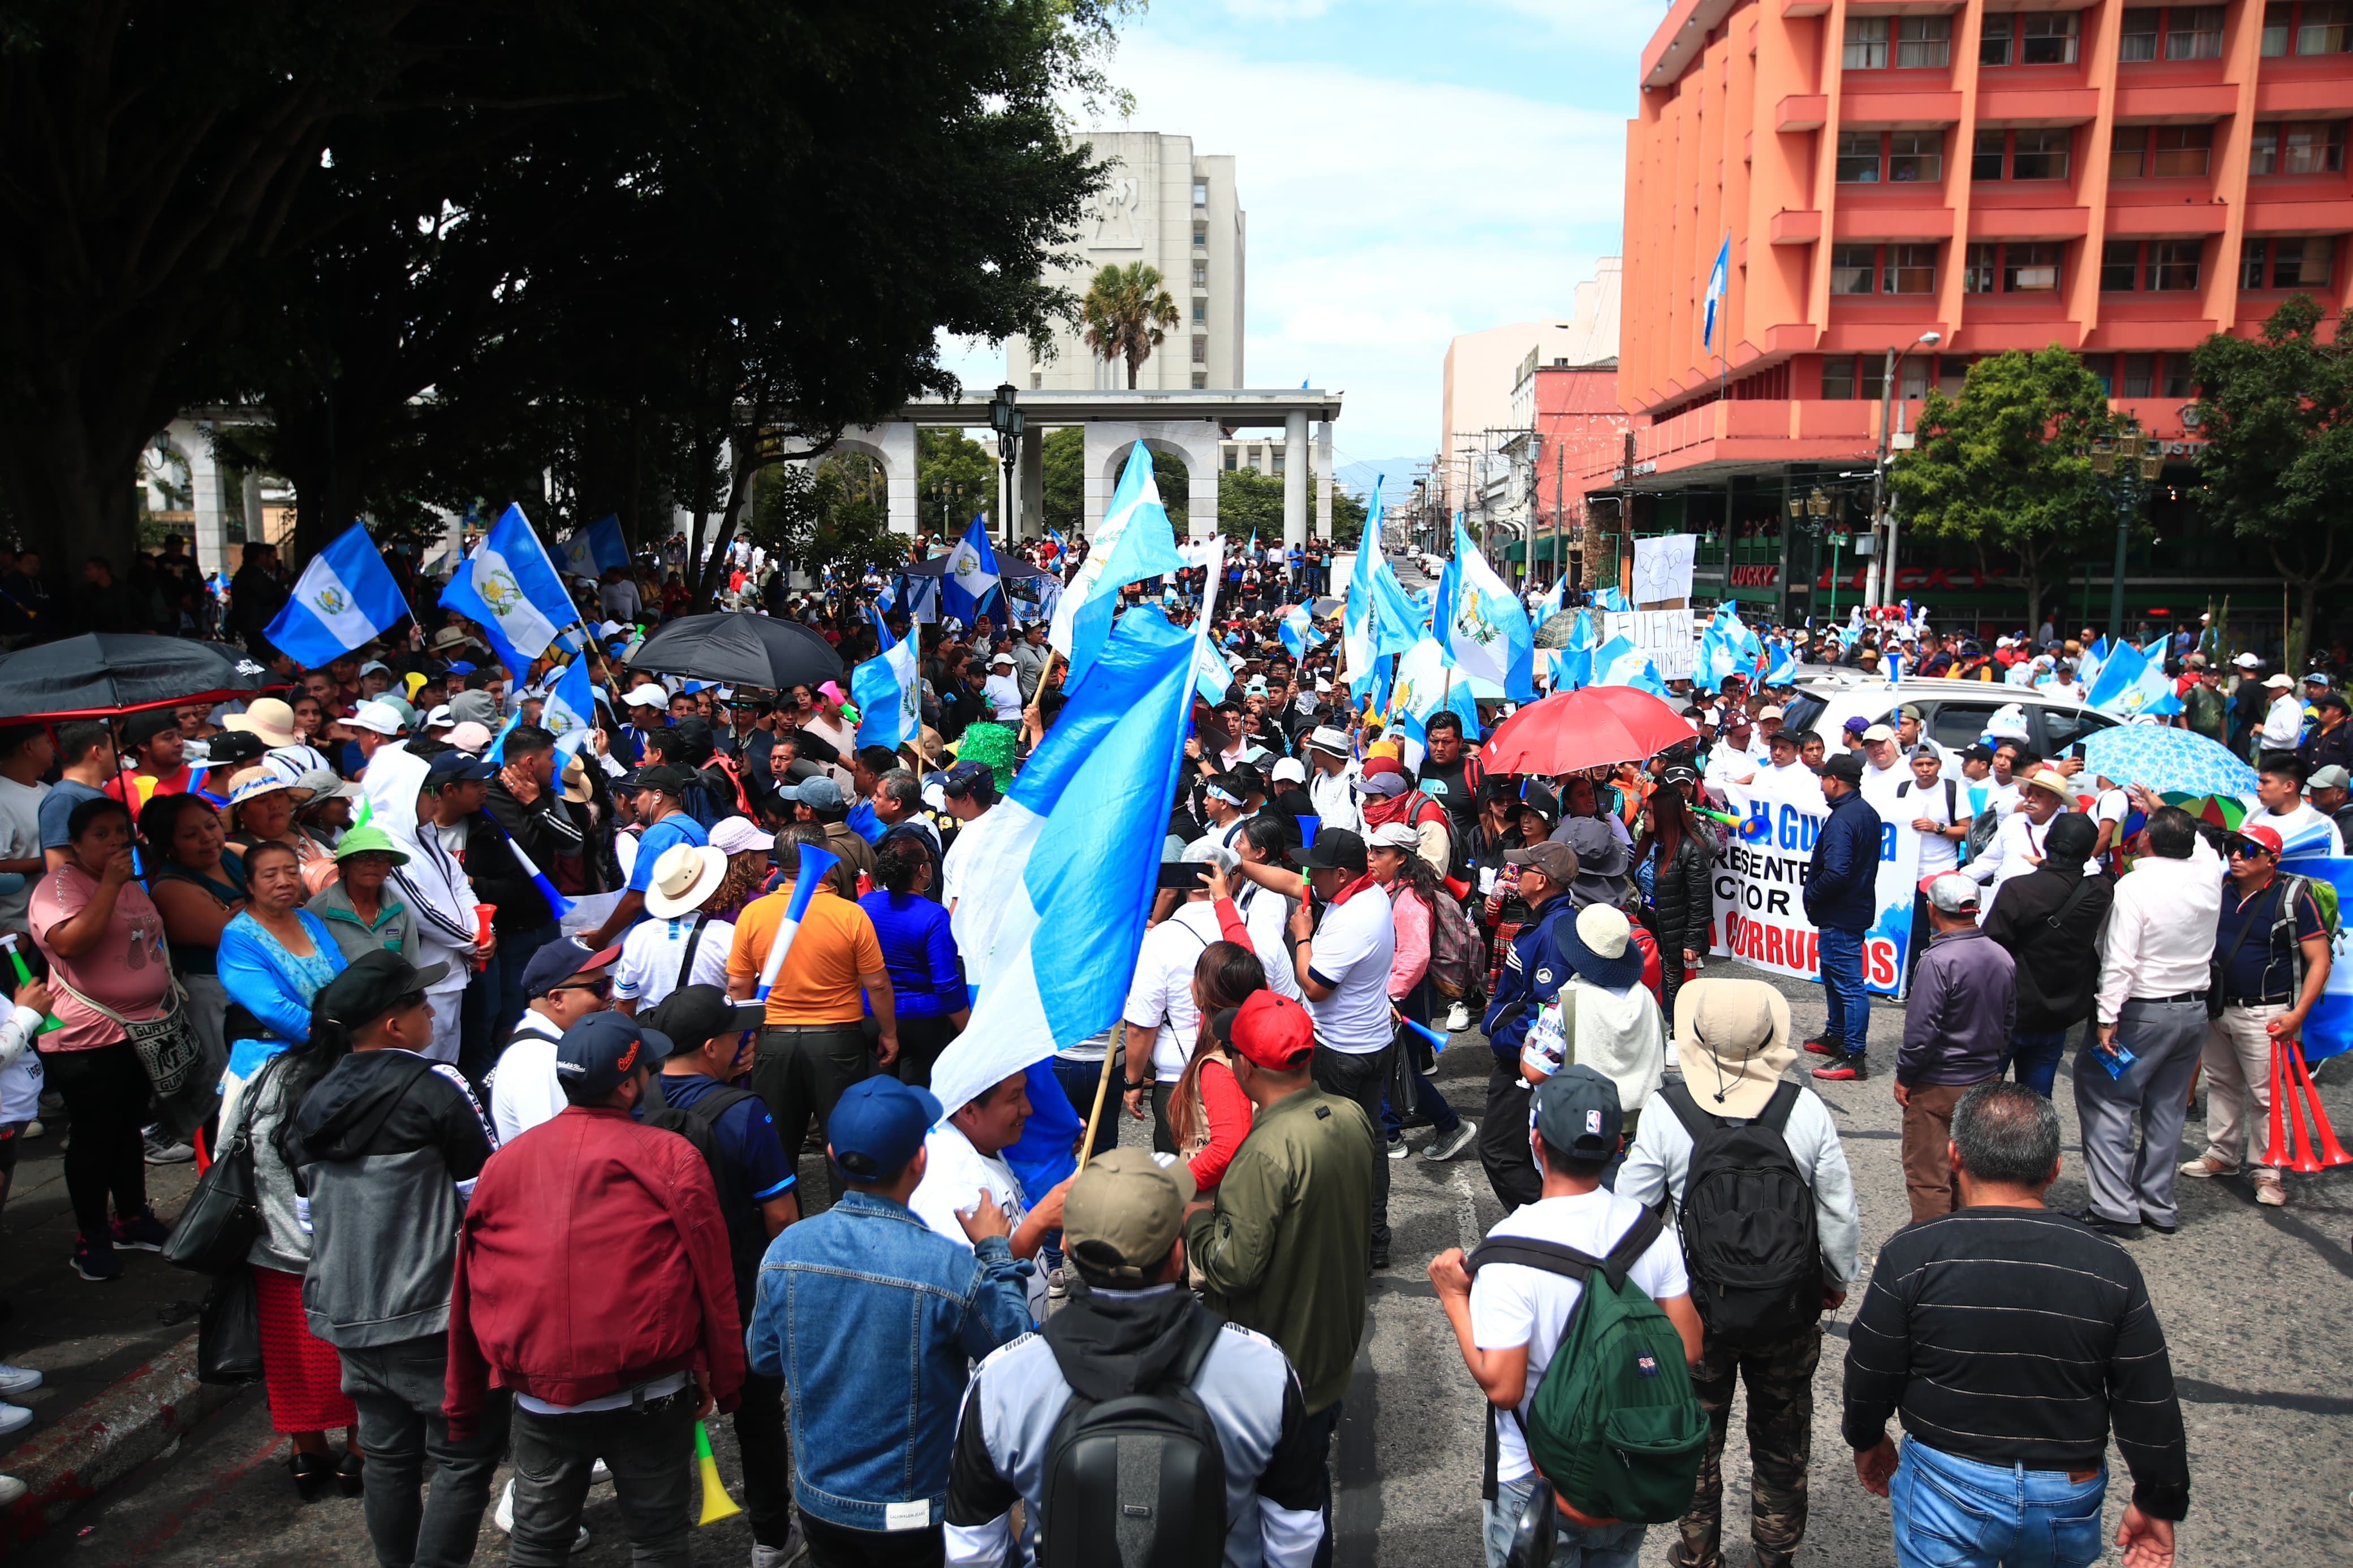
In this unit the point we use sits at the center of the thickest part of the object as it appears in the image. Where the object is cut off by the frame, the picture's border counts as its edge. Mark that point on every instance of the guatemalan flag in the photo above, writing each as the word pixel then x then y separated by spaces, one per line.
pixel 594 550
pixel 1298 631
pixel 1548 607
pixel 2131 683
pixel 1428 683
pixel 346 595
pixel 508 584
pixel 1135 540
pixel 889 694
pixel 568 712
pixel 971 577
pixel 1486 628
pixel 1059 878
pixel 1618 662
pixel 1717 277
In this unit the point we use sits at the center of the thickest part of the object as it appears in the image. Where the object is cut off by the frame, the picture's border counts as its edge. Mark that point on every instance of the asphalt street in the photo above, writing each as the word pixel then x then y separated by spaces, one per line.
pixel 2257 1305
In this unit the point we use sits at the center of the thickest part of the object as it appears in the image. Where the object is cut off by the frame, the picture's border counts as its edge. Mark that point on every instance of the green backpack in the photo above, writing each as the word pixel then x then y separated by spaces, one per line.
pixel 1614 1425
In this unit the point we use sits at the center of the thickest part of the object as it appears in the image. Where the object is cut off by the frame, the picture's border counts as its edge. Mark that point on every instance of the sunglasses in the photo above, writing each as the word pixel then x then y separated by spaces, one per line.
pixel 2246 850
pixel 600 989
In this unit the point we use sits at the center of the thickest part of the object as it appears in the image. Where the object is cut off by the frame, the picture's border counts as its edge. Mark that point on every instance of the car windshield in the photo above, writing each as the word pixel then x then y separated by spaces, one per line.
pixel 1801 712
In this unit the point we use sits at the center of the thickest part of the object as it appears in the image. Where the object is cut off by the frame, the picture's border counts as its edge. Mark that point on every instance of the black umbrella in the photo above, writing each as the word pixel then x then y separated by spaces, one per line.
pixel 100 674
pixel 739 648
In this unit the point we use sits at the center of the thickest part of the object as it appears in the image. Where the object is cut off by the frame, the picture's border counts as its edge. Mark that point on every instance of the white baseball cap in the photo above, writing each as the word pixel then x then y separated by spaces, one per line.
pixel 646 694
pixel 382 718
pixel 2248 661
pixel 1290 769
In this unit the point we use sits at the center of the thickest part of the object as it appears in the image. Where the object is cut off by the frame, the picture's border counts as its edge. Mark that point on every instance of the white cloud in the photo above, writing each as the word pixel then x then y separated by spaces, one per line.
pixel 1277 10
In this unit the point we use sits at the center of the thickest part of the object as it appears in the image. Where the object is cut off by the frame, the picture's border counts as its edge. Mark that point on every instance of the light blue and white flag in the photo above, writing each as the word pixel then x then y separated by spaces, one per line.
pixel 1618 662
pixel 2087 665
pixel 2329 1027
pixel 568 712
pixel 1216 677
pixel 814 866
pixel 1728 647
pixel 1781 663
pixel 593 551
pixel 1717 277
pixel 889 693
pixel 1487 632
pixel 1611 599
pixel 1058 879
pixel 1356 648
pixel 971 578
pixel 1549 604
pixel 1134 543
pixel 920 598
pixel 1428 682
pixel 1298 631
pixel 344 597
pixel 510 587
pixel 2132 683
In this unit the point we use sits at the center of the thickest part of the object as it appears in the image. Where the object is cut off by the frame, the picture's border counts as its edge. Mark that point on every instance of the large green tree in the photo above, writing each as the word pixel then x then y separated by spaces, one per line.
pixel 2276 413
pixel 1065 456
pixel 954 478
pixel 2007 465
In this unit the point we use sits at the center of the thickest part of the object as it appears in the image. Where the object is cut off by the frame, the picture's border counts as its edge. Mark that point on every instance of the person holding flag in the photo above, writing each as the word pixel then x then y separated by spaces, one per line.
pixel 971 581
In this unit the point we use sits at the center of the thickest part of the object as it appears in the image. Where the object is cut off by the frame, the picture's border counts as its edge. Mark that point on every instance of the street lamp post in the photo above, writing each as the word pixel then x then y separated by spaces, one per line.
pixel 2133 459
pixel 1882 568
pixel 1007 418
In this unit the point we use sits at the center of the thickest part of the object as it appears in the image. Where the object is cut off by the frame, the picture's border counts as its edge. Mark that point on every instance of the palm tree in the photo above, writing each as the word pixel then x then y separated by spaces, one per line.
pixel 1125 311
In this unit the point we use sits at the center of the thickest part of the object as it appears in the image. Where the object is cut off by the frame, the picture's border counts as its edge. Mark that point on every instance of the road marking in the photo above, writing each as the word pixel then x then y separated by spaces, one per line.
pixel 1466 1207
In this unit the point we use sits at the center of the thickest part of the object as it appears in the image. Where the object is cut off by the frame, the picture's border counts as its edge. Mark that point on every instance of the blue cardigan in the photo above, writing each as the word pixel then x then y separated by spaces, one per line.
pixel 250 973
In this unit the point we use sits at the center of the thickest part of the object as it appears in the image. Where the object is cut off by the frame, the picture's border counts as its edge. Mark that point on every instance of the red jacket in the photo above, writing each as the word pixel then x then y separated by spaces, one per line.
pixel 594 1258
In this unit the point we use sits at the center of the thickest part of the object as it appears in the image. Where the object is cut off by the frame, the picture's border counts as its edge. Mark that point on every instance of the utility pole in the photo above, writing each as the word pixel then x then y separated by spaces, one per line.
pixel 1560 463
pixel 1879 482
pixel 1626 525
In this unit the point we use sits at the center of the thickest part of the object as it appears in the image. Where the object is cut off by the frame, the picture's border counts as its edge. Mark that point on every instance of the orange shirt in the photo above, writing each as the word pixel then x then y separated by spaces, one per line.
pixel 820 982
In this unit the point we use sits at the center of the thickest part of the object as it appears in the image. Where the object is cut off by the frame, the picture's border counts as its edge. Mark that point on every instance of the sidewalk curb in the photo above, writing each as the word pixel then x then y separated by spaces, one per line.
pixel 138 1415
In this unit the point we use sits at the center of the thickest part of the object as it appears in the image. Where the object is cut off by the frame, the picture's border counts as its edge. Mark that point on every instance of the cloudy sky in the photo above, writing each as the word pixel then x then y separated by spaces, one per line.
pixel 1412 169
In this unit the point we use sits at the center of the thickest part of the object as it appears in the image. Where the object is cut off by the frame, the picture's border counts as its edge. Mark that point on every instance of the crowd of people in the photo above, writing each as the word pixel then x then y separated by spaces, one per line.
pixel 484 1009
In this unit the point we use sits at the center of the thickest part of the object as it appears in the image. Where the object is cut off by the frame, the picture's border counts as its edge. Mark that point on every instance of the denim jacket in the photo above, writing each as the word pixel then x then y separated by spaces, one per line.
pixel 872 1321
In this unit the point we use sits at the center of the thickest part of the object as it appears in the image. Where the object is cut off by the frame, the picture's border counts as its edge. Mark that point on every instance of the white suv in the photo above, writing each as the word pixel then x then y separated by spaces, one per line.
pixel 1955 713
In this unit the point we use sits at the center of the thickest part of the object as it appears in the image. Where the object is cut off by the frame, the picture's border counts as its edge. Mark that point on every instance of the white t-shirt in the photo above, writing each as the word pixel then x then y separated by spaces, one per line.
pixel 1512 1304
pixel 20 839
pixel 655 949
pixel 953 1181
pixel 1351 952
pixel 1267 913
pixel 21 1078
pixel 1160 997
pixel 1938 854
pixel 1879 784
pixel 524 1090
pixel 1004 694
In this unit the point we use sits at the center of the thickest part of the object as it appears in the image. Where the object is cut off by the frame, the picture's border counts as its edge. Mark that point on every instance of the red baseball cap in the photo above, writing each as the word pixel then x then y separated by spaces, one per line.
pixel 2265 838
pixel 1274 1031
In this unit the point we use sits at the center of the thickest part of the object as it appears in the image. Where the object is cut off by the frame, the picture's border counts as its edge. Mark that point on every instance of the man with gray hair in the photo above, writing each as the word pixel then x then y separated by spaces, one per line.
pixel 898 802
pixel 2008 1339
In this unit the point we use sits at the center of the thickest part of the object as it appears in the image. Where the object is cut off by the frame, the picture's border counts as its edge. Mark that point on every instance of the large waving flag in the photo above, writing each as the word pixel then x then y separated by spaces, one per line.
pixel 1781 663
pixel 345 596
pixel 1428 683
pixel 971 576
pixel 2132 683
pixel 568 712
pixel 1356 644
pixel 1717 277
pixel 1728 647
pixel 1612 598
pixel 1618 662
pixel 594 550
pixel 1136 542
pixel 889 694
pixel 508 584
pixel 1486 629
pixel 1549 604
pixel 1058 879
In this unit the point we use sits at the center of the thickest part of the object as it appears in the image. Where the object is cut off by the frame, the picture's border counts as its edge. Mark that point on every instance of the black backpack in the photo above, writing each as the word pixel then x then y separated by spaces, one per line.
pixel 1747 1222
pixel 747 1238
pixel 1140 1480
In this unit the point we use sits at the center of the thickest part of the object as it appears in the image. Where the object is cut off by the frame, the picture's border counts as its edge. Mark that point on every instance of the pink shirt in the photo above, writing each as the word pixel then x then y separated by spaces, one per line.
pixel 129 969
pixel 1409 960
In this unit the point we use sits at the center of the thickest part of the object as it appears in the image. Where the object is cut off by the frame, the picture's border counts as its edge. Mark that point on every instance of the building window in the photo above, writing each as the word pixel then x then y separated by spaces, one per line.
pixel 1838 377
pixel 1278 463
pixel 2178 150
pixel 1200 351
pixel 2030 269
pixel 2038 155
pixel 2138 41
pixel 1952 373
pixel 1910 269
pixel 2104 367
pixel 2275 29
pixel 2312 147
pixel 1200 379
pixel 1233 459
pixel 2172 264
pixel 1200 193
pixel 2193 32
pixel 1200 308
pixel 1851 269
pixel 1200 235
pixel 1985 155
pixel 1200 275
pixel 2119 267
pixel 1036 380
pixel 2128 152
pixel 2049 39
pixel 1912 382
pixel 1924 42
pixel 2139 378
pixel 2303 263
pixel 1858 157
pixel 2328 28
pixel 1916 155
pixel 1870 376
pixel 2251 264
pixel 1977 268
pixel 2177 375
pixel 1866 43
pixel 1993 40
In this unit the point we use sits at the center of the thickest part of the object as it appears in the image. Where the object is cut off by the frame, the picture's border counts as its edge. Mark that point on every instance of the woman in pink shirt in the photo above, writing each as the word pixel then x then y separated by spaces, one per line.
pixel 109 967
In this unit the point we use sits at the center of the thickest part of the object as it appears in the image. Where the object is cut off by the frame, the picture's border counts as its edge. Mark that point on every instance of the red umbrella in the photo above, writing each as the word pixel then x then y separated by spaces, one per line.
pixel 1594 726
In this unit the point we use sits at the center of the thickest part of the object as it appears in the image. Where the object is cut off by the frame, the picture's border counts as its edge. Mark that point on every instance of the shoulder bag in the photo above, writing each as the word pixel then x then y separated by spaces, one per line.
pixel 222 1218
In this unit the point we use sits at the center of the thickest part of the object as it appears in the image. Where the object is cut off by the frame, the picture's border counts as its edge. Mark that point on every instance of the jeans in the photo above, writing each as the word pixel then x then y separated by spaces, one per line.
pixel 1574 1546
pixel 1320 1429
pixel 1849 1004
pixel 1078 1080
pixel 397 1390
pixel 105 1093
pixel 799 1071
pixel 1428 1102
pixel 650 1451
pixel 1346 1076
pixel 1951 1512
pixel 2034 1057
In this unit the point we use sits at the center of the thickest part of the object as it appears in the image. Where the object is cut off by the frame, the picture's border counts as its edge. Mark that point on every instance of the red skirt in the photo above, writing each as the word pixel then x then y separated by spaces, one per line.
pixel 301 1371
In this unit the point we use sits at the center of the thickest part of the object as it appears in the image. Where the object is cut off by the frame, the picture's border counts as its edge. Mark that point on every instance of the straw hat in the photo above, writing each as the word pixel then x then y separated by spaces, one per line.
pixel 268 717
pixel 2050 779
pixel 575 780
pixel 684 876
pixel 1732 1037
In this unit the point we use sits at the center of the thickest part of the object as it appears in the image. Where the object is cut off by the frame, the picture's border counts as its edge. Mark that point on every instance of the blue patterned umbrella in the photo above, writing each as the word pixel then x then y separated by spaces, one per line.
pixel 2167 761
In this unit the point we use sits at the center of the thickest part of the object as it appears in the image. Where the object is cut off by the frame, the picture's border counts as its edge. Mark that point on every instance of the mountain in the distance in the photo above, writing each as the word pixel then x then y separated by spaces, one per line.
pixel 1396 473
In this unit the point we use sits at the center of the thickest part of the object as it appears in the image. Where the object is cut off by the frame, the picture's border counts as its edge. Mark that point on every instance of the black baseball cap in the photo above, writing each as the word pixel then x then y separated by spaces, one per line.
pixel 693 1015
pixel 1335 848
pixel 144 727
pixel 663 777
pixel 1844 766
pixel 371 986
pixel 597 1054
pixel 1576 1112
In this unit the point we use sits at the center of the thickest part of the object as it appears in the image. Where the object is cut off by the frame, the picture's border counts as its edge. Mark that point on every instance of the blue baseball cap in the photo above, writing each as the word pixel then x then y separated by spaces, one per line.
pixel 597 1054
pixel 877 1125
pixel 450 767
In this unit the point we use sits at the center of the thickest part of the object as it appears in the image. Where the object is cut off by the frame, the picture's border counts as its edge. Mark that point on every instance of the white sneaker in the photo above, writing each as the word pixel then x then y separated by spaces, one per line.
pixel 12 1490
pixel 1452 1144
pixel 162 1149
pixel 1458 1019
pixel 33 1129
pixel 17 1380
pixel 1397 1149
pixel 503 1515
pixel 14 1419
pixel 783 1556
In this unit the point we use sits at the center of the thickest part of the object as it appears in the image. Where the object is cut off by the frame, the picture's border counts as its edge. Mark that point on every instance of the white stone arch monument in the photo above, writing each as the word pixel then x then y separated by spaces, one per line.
pixel 1193 442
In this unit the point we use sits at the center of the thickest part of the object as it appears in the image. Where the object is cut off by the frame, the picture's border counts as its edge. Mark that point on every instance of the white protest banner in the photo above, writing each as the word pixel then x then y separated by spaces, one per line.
pixel 1662 568
pixel 1664 635
pixel 1759 886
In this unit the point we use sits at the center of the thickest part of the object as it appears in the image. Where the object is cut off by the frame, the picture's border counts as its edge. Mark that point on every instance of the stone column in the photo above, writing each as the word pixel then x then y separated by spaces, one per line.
pixel 208 493
pixel 1323 480
pixel 1031 469
pixel 1295 477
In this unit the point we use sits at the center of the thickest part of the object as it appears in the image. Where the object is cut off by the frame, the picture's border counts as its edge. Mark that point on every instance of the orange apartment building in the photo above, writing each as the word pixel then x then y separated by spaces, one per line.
pixel 2121 180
